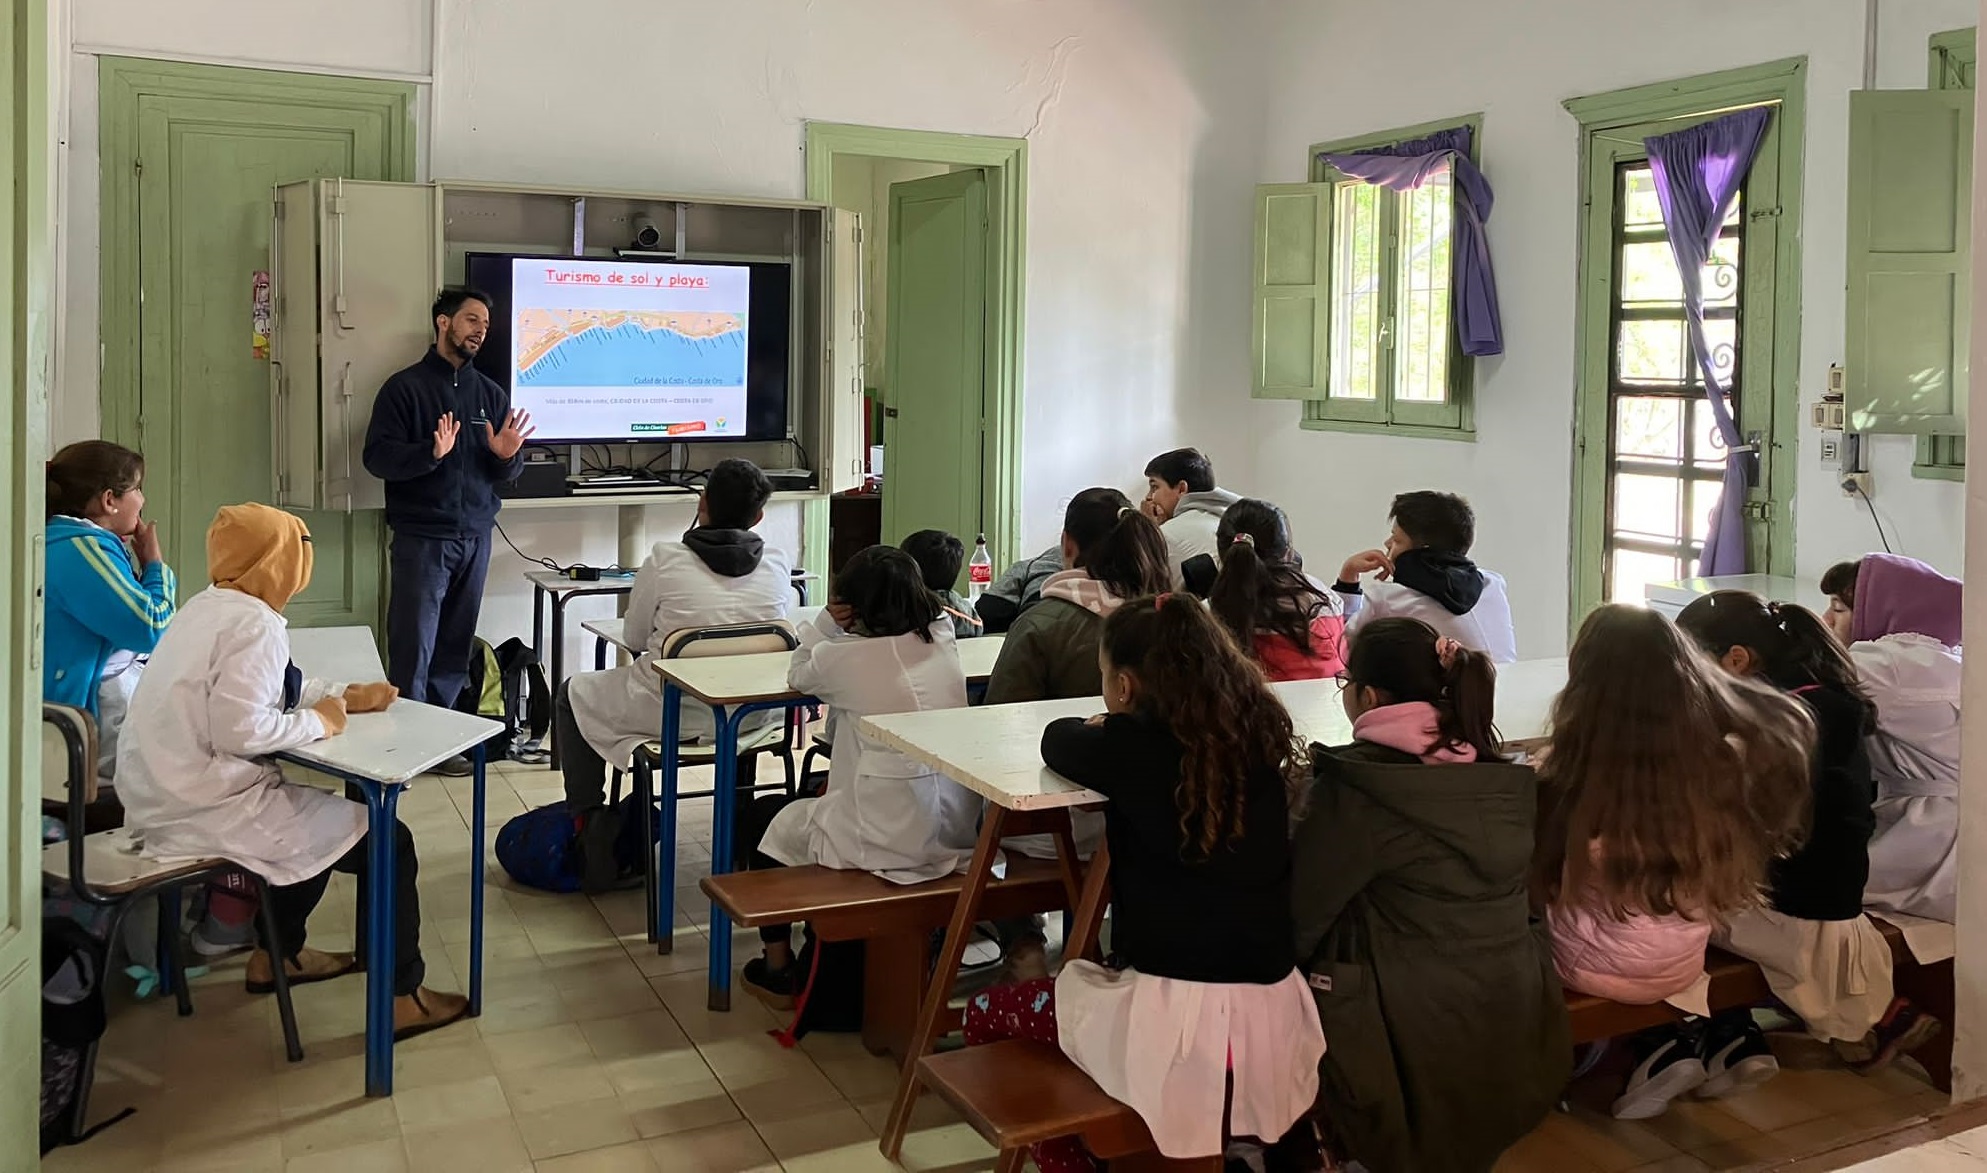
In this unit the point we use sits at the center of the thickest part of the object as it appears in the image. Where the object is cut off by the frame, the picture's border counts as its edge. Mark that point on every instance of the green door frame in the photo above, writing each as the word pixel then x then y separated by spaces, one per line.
pixel 1005 161
pixel 1783 82
pixel 124 82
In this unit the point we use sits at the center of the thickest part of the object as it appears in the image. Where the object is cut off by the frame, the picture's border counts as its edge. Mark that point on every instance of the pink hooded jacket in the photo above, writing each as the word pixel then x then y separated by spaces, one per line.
pixel 1639 960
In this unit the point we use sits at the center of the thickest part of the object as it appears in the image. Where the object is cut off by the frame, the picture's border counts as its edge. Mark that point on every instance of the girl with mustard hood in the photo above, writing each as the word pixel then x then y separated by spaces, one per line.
pixel 194 769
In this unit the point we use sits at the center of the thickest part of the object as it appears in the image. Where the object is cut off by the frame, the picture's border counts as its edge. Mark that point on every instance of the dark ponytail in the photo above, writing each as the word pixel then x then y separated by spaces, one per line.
pixel 86 470
pixel 1406 661
pixel 1793 645
pixel 1120 547
pixel 1192 678
pixel 1261 588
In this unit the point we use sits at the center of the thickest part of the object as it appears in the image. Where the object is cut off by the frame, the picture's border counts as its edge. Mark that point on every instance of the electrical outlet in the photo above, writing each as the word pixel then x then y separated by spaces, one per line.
pixel 1831 448
pixel 1858 484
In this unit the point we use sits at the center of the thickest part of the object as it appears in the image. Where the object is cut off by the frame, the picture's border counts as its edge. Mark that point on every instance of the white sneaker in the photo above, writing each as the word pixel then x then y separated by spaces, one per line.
pixel 1671 1070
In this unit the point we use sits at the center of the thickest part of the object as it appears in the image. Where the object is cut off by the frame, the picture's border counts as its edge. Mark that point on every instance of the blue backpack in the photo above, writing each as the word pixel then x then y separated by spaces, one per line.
pixel 536 847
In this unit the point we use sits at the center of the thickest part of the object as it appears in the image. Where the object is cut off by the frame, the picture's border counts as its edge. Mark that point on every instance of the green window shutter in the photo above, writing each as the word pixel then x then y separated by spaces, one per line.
pixel 1910 202
pixel 1290 358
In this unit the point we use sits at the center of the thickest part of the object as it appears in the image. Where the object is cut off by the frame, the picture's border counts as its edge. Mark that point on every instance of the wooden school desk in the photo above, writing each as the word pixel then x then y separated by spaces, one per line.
pixel 995 751
pixel 735 687
pixel 379 754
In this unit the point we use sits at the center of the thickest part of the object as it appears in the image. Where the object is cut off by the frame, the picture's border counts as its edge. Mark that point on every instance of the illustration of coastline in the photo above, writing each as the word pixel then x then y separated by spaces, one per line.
pixel 630 348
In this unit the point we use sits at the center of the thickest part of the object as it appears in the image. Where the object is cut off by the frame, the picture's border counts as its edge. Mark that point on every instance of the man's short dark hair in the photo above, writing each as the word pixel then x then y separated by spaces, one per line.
pixel 735 493
pixel 939 556
pixel 1183 464
pixel 1442 522
pixel 452 299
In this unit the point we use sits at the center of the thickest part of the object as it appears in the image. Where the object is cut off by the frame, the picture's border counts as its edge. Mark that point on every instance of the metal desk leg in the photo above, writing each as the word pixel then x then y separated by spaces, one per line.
pixel 724 807
pixel 559 601
pixel 476 828
pixel 381 802
pixel 599 654
pixel 665 846
pixel 538 621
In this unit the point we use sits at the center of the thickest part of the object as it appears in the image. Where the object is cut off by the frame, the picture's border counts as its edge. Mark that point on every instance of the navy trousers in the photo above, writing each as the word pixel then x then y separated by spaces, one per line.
pixel 433 598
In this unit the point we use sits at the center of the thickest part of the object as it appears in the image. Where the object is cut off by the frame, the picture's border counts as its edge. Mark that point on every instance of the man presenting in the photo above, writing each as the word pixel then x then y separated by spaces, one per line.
pixel 443 438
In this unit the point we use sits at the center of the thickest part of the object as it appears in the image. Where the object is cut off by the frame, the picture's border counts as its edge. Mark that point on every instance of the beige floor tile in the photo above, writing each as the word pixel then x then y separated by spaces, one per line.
pixel 1781 1103
pixel 955 1148
pixel 541 1089
pixel 771 1101
pixel 380 1156
pixel 819 1130
pixel 491 1146
pixel 658 1069
pixel 352 1122
pixel 453 1057
pixel 861 1079
pixel 1681 1163
pixel 1691 1125
pixel 755 1058
pixel 576 1128
pixel 451 1104
pixel 664 1109
pixel 727 1148
pixel 1541 1152
pixel 1752 1150
pixel 855 1158
pixel 245 1154
pixel 624 1158
pixel 629 1035
pixel 1609 1144
pixel 522 1050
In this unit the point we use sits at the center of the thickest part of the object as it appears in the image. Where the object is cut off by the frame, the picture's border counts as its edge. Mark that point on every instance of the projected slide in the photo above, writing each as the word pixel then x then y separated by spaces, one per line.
pixel 606 350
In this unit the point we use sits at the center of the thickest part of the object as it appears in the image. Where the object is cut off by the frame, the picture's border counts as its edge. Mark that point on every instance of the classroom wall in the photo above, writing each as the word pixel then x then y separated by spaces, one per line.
pixel 1339 69
pixel 1141 117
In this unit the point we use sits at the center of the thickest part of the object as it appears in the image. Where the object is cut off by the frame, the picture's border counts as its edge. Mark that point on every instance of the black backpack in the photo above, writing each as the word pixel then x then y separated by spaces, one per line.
pixel 73 964
pixel 517 696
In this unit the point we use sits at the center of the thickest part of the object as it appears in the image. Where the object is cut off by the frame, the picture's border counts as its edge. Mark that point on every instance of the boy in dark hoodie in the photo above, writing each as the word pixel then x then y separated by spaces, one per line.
pixel 1424 572
pixel 720 571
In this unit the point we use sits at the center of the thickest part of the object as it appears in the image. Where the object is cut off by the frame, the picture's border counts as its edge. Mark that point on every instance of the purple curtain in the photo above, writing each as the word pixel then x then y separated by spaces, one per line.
pixel 1698 173
pixel 1406 166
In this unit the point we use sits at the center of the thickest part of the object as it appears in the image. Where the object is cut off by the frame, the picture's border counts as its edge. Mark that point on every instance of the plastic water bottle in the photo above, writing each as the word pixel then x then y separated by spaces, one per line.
pixel 979 571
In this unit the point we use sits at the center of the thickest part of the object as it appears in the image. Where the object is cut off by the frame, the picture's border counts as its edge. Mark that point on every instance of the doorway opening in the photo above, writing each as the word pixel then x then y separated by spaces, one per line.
pixel 943 223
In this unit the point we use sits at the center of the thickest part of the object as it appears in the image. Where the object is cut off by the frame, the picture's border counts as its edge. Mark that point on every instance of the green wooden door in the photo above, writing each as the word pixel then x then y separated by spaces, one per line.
pixel 190 157
pixel 935 366
pixel 25 303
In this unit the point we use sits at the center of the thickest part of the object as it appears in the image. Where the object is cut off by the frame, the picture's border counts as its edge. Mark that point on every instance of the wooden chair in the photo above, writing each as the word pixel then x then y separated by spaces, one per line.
pixel 107 870
pixel 727 639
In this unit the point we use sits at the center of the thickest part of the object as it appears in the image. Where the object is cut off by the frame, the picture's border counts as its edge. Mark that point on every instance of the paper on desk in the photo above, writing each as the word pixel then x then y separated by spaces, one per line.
pixel 1930 941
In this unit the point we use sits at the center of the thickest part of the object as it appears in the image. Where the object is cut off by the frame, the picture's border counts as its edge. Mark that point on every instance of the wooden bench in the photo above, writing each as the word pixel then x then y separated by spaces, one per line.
pixel 1019 1093
pixel 1736 982
pixel 895 922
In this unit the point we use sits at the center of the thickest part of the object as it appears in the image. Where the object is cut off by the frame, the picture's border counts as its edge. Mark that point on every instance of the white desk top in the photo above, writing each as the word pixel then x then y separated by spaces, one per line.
pixel 615 631
pixel 395 746
pixel 1771 587
pixel 341 655
pixel 655 496
pixel 995 750
pixel 731 680
pixel 557 582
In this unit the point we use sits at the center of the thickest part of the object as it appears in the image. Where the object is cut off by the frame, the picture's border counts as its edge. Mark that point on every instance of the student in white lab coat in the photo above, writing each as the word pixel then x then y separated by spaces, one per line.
pixel 220 696
pixel 1901 622
pixel 883 645
pixel 718 572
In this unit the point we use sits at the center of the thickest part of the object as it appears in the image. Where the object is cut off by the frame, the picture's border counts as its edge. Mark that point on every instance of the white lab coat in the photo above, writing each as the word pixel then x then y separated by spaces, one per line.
pixel 882 811
pixel 1487 628
pixel 192 769
pixel 1914 855
pixel 619 709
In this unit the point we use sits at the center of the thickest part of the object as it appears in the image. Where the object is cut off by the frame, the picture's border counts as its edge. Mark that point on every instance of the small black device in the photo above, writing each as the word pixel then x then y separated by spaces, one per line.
pixel 544 475
pixel 583 573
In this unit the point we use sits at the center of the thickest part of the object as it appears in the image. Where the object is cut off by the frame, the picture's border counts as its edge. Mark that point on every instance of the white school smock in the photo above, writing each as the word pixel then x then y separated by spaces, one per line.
pixel 192 765
pixel 1914 856
pixel 619 709
pixel 882 811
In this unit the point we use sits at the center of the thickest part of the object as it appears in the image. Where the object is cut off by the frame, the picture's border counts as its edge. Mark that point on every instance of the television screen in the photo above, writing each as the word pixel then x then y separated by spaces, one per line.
pixel 616 351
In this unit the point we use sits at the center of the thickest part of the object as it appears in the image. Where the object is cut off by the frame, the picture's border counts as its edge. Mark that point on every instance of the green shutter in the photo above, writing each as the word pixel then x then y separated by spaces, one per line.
pixel 1910 201
pixel 1293 291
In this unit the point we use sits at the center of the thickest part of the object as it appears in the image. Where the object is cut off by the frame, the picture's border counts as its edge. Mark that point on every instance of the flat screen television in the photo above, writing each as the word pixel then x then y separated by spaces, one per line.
pixel 638 351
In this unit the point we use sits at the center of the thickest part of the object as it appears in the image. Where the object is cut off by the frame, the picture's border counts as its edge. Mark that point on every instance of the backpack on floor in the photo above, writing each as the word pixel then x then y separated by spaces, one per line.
pixel 537 848
pixel 73 964
pixel 507 684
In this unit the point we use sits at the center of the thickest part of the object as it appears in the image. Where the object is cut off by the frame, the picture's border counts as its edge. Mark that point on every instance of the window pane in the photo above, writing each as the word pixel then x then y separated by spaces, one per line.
pixel 1721 273
pixel 1649 274
pixel 1707 447
pixel 1421 343
pixel 1704 498
pixel 1646 506
pixel 1640 208
pixel 1356 309
pixel 1650 426
pixel 1631 572
pixel 1654 351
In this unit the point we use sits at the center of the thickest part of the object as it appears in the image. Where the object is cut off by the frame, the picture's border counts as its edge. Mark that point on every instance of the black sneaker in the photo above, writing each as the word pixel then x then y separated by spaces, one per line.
pixel 775 987
pixel 599 870
pixel 1670 1068
pixel 1736 1058
pixel 456 767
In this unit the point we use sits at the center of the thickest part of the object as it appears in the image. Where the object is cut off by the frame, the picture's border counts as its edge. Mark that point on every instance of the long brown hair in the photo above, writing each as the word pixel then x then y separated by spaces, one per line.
pixel 1120 547
pixel 1213 698
pixel 1672 782
pixel 85 471
pixel 1261 587
pixel 1792 644
pixel 1399 658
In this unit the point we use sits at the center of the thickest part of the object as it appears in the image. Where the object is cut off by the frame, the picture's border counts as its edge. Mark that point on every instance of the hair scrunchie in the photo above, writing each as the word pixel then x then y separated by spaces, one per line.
pixel 1446 650
pixel 1244 538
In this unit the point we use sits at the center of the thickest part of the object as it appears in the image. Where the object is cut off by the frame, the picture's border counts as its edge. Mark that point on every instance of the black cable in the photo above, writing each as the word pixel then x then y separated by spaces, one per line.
pixel 1873 516
pixel 547 563
pixel 797 447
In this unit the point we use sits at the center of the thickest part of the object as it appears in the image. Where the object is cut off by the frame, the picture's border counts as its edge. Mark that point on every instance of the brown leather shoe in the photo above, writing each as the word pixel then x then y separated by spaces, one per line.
pixel 310 966
pixel 425 1010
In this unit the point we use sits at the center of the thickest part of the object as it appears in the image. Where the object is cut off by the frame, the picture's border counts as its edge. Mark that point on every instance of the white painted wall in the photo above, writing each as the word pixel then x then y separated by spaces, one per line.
pixel 1141 117
pixel 1341 68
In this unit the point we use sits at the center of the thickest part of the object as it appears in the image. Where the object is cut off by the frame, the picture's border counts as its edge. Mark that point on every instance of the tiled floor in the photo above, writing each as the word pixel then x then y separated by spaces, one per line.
pixel 595 1054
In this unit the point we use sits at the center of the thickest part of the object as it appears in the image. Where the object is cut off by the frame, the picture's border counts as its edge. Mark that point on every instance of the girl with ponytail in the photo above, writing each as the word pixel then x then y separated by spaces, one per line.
pixel 1284 619
pixel 1408 885
pixel 1198 758
pixel 1822 957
